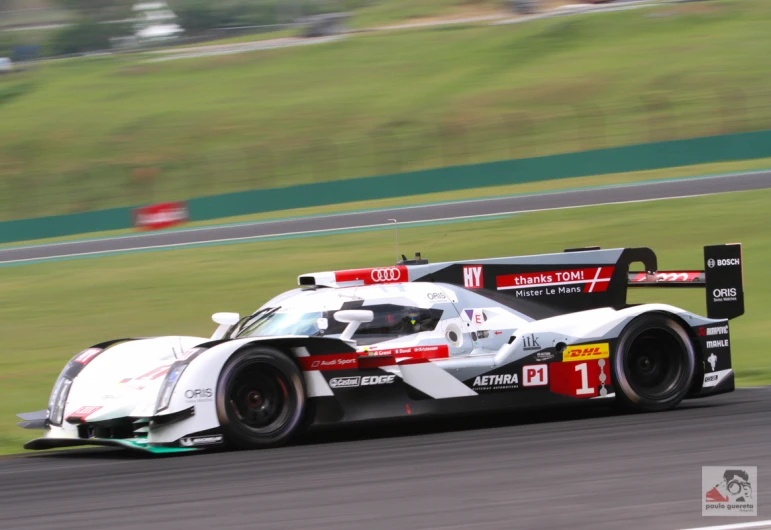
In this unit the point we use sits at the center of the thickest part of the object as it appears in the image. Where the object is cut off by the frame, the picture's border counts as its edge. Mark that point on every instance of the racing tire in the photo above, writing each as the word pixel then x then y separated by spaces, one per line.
pixel 654 364
pixel 261 399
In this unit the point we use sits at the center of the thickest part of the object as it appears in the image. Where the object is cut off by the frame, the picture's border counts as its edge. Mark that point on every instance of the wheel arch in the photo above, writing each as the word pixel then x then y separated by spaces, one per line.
pixel 698 373
pixel 690 338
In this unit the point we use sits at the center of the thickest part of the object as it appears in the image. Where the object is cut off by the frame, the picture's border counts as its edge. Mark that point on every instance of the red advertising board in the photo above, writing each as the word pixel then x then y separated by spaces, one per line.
pixel 162 215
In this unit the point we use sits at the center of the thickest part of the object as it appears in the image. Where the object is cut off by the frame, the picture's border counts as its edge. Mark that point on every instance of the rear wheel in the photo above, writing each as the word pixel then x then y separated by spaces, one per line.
pixel 260 398
pixel 654 364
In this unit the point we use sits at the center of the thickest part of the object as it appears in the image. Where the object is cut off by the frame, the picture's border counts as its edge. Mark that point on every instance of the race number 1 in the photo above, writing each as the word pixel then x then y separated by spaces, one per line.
pixel 584 389
pixel 583 379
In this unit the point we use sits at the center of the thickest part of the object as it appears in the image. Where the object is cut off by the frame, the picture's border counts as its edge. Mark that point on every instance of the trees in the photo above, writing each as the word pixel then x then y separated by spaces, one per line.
pixel 94 26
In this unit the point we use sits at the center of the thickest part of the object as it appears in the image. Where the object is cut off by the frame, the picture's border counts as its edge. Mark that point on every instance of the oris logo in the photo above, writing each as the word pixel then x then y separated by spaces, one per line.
pixel 198 393
pixel 386 275
pixel 724 293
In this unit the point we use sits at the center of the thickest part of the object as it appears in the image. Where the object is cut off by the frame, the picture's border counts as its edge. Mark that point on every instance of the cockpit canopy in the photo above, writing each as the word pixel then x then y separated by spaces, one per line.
pixel 390 321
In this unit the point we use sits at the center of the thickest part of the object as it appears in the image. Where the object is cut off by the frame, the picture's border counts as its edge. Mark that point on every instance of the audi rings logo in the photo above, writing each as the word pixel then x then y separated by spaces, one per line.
pixel 710 263
pixel 386 275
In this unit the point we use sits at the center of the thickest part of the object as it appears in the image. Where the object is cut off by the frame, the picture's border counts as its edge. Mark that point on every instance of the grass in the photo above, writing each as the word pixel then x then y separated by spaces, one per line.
pixel 474 193
pixel 250 37
pixel 53 310
pixel 106 131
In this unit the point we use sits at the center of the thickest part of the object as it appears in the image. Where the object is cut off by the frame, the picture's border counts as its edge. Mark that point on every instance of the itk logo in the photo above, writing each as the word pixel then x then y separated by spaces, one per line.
pixel 472 277
pixel 535 375
pixel 729 490
pixel 531 343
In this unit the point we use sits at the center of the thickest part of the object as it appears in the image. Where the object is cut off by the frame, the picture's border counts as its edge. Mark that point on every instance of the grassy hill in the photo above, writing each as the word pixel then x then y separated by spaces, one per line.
pixel 97 132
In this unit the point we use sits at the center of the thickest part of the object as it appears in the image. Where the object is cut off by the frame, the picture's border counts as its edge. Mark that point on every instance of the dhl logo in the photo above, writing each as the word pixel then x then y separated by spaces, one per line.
pixel 586 352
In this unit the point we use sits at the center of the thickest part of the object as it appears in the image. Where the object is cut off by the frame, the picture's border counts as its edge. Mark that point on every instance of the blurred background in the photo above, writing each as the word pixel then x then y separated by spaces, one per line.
pixel 110 103
pixel 195 113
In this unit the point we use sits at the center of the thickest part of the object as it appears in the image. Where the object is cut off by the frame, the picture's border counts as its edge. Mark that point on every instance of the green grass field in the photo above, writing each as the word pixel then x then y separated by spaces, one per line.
pixel 99 132
pixel 51 311
pixel 546 186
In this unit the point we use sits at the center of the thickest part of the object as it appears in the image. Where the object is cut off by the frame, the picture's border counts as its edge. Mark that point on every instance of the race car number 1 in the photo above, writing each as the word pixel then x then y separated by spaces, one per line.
pixel 581 380
pixel 585 388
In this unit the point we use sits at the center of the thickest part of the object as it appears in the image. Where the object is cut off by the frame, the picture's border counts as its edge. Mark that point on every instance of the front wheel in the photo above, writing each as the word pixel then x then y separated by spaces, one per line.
pixel 260 398
pixel 654 364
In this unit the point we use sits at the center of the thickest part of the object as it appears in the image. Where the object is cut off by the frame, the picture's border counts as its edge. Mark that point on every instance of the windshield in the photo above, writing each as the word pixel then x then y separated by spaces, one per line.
pixel 389 321
pixel 274 323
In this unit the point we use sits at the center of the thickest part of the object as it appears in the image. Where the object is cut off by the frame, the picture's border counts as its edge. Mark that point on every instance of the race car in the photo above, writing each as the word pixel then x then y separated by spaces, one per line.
pixel 412 340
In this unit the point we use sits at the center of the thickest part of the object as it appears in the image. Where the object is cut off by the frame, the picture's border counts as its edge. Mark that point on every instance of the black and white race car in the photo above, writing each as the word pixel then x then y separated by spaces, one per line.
pixel 412 340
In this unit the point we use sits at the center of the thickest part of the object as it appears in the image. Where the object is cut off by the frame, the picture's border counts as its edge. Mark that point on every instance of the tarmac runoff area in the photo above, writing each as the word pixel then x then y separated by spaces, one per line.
pixel 569 469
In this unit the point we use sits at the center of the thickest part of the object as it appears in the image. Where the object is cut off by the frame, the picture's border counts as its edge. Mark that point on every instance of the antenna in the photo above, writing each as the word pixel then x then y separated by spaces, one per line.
pixel 396 229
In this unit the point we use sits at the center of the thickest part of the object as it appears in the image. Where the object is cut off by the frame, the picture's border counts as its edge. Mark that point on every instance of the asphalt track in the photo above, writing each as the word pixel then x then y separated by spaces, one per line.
pixel 643 191
pixel 566 469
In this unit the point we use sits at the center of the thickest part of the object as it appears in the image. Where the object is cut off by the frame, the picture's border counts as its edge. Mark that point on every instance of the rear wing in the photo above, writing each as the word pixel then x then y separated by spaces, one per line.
pixel 547 285
pixel 722 279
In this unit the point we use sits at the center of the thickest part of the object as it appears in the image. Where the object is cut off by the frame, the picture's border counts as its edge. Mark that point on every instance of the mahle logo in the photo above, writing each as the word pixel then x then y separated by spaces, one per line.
pixel 586 352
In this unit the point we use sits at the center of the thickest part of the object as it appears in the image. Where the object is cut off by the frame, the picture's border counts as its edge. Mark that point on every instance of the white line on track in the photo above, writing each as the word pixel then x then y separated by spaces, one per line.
pixel 425 205
pixel 333 230
pixel 736 526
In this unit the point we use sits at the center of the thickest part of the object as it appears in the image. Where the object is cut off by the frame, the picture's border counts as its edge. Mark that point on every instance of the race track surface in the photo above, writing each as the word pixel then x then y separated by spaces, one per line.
pixel 562 199
pixel 567 469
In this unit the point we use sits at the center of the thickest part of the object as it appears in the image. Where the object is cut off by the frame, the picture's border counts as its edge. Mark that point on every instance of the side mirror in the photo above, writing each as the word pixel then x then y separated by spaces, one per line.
pixel 225 321
pixel 354 319
pixel 322 323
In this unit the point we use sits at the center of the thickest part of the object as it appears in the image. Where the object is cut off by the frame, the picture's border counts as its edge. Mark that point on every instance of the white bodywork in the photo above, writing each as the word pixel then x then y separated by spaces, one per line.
pixel 126 379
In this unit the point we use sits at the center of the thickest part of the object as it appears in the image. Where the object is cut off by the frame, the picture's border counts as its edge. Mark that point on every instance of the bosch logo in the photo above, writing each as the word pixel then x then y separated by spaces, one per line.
pixel 728 262
pixel 711 263
pixel 386 275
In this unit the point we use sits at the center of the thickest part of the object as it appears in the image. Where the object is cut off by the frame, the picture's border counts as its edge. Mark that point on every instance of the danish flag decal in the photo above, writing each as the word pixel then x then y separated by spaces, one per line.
pixel 593 279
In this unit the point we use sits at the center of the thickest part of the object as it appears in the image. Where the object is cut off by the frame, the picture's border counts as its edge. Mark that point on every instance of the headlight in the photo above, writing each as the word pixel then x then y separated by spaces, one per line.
pixel 167 389
pixel 58 400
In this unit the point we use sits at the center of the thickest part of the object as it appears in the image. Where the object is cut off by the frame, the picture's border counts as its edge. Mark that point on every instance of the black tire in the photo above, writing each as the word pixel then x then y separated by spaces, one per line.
pixel 654 364
pixel 260 399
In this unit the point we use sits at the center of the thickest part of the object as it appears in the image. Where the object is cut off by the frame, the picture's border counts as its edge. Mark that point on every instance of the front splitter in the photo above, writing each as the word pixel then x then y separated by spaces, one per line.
pixel 140 445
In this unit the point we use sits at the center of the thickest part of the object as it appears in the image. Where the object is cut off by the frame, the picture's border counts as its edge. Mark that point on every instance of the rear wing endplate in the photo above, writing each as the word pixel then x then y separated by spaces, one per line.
pixel 722 278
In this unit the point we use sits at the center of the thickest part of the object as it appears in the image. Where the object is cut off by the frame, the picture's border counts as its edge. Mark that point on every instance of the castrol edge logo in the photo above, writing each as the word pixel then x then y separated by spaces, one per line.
pixel 586 352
